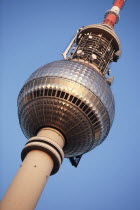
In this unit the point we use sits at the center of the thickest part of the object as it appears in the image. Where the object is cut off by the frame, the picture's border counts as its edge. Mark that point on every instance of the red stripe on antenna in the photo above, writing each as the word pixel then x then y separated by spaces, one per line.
pixel 119 3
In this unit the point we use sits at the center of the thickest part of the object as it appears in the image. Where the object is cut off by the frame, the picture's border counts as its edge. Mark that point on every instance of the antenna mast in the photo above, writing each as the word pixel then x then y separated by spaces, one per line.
pixel 112 16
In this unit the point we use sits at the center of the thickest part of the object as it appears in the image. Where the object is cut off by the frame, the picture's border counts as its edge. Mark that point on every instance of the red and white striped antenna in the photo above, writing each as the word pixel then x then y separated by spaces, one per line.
pixel 112 16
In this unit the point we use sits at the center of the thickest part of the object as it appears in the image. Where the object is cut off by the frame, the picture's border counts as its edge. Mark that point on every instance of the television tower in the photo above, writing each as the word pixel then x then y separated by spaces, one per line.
pixel 65 109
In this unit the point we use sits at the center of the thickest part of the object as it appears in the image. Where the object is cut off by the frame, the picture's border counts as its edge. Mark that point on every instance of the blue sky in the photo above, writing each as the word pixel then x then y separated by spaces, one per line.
pixel 36 32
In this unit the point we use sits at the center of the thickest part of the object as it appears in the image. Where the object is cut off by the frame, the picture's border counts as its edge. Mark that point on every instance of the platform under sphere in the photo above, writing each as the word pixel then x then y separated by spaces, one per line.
pixel 71 97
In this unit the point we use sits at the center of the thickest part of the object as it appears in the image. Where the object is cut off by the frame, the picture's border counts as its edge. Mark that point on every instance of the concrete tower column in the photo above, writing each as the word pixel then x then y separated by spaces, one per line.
pixel 42 156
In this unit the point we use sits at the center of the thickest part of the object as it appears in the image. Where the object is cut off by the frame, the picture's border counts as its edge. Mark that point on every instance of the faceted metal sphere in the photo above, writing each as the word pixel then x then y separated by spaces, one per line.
pixel 71 97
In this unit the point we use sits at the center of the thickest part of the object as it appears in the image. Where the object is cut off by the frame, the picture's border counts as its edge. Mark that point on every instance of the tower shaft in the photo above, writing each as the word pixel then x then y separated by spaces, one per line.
pixel 33 174
pixel 29 182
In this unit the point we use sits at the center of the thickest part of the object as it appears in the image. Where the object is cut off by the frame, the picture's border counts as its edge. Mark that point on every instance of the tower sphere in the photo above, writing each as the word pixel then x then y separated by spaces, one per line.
pixel 71 97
